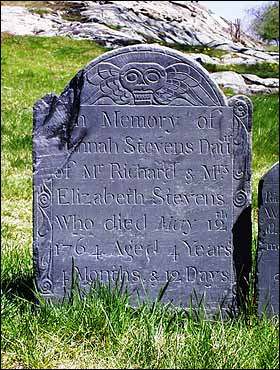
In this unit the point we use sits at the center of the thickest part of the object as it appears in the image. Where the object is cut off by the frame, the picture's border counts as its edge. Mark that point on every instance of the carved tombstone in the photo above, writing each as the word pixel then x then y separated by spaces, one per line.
pixel 142 173
pixel 268 243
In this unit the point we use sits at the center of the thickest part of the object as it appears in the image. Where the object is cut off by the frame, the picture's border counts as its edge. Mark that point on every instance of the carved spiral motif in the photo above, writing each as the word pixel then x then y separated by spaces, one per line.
pixel 238 174
pixel 46 285
pixel 44 199
pixel 240 198
pixel 236 129
pixel 45 226
pixel 46 259
pixel 240 109
pixel 234 289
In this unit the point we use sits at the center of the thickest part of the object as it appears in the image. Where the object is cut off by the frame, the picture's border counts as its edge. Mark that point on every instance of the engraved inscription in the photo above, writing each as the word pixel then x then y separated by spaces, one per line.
pixel 142 160
pixel 96 192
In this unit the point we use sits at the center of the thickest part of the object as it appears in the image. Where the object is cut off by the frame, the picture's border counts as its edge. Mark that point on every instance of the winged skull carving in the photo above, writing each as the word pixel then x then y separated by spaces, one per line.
pixel 149 83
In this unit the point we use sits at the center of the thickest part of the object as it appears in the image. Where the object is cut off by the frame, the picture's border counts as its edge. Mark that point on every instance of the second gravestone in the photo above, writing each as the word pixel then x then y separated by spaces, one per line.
pixel 267 284
pixel 142 172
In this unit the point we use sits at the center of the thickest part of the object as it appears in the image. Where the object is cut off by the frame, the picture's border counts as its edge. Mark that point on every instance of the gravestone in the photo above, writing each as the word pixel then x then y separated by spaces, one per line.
pixel 142 173
pixel 267 282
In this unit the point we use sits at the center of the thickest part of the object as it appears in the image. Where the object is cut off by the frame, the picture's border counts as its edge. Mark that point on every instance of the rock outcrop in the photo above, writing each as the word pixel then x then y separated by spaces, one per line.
pixel 19 20
pixel 237 58
pixel 125 22
pixel 246 83
pixel 121 23
pixel 182 22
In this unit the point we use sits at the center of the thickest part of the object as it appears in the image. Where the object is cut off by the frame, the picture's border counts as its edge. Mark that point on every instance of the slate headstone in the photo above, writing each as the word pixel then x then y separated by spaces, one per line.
pixel 268 243
pixel 142 173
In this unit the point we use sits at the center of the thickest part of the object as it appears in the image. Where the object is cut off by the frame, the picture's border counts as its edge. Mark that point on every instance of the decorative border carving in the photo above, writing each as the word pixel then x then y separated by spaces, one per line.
pixel 44 236
pixel 242 228
pixel 240 198
pixel 242 124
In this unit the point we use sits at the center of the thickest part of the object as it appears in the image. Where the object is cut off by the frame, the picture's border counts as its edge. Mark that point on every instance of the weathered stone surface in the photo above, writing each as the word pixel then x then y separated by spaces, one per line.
pixel 267 286
pixel 262 55
pixel 182 22
pixel 259 89
pixel 268 82
pixel 142 169
pixel 179 22
pixel 19 21
pixel 230 59
pixel 100 33
pixel 203 58
pixel 228 78
pixel 246 83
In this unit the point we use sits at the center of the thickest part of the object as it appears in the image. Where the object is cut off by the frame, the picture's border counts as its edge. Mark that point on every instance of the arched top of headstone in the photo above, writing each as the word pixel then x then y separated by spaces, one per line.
pixel 148 75
pixel 272 175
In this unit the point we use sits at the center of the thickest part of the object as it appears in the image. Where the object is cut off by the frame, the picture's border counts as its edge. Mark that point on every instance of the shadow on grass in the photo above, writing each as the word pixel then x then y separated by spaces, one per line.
pixel 20 286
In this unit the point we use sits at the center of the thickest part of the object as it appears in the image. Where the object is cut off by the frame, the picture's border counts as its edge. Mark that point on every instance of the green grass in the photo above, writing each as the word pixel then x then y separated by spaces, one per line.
pixel 272 48
pixel 265 139
pixel 103 331
pixel 40 11
pixel 115 27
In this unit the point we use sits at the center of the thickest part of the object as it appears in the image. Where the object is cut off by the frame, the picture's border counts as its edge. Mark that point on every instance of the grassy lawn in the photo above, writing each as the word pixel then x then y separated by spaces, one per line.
pixel 274 48
pixel 103 331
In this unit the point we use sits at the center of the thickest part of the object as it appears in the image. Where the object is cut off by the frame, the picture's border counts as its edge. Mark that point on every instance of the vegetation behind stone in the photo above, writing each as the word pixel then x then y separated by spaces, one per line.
pixel 103 331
